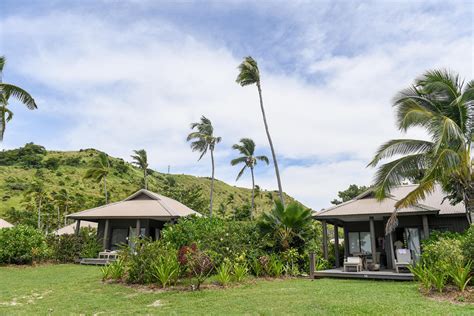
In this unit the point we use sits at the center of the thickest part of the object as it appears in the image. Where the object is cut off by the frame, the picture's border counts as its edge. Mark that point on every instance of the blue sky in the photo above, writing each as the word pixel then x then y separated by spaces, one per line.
pixel 118 76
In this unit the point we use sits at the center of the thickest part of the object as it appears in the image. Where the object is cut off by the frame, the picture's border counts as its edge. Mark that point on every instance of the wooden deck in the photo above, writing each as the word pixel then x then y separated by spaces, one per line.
pixel 371 275
pixel 95 261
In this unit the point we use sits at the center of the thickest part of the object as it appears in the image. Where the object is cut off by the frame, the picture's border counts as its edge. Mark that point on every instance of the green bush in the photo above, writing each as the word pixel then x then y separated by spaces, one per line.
pixel 461 275
pixel 90 244
pixel 22 245
pixel 114 270
pixel 65 248
pixel 222 239
pixel 224 273
pixel 468 244
pixel 166 268
pixel 240 271
pixel 275 266
pixel 422 274
pixel 441 252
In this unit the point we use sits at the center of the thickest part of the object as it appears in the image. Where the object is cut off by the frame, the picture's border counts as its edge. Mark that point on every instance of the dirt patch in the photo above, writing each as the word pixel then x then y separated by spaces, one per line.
pixel 156 303
pixel 452 295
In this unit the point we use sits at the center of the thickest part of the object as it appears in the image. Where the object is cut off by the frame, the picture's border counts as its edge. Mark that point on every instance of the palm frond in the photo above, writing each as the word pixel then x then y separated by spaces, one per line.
pixel 400 147
pixel 263 158
pixel 248 72
pixel 238 160
pixel 18 93
pixel 2 64
pixel 241 173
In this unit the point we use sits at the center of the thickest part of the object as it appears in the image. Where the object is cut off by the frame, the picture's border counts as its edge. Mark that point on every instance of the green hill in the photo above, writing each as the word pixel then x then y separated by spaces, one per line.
pixel 66 190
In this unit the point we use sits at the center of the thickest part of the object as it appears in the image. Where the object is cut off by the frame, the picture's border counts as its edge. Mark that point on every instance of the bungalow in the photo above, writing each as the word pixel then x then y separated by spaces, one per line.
pixel 144 213
pixel 363 220
pixel 4 224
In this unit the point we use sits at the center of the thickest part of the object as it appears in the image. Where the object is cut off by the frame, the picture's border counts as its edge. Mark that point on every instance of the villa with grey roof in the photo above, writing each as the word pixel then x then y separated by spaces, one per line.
pixel 363 221
pixel 144 213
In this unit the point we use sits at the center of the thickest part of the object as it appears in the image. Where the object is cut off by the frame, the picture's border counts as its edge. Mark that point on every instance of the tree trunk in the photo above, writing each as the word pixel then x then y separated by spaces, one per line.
pixel 39 213
pixel 146 183
pixel 212 182
pixel 277 172
pixel 105 190
pixel 253 193
pixel 469 203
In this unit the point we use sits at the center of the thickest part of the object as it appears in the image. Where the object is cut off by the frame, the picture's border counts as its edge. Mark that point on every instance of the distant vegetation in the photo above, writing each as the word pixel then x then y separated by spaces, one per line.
pixel 32 175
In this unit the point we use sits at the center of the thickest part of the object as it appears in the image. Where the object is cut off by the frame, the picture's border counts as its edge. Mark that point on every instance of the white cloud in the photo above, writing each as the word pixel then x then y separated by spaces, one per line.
pixel 124 87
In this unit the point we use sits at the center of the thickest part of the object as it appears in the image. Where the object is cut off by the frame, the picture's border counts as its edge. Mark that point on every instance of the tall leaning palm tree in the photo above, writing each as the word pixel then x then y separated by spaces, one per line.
pixel 247 149
pixel 203 140
pixel 141 161
pixel 99 171
pixel 248 75
pixel 441 104
pixel 8 90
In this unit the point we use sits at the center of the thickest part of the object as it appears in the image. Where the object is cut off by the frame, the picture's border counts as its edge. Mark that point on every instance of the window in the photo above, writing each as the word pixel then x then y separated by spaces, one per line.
pixel 359 242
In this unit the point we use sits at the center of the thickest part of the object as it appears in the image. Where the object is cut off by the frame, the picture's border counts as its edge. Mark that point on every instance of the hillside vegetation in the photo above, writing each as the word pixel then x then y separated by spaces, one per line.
pixel 66 190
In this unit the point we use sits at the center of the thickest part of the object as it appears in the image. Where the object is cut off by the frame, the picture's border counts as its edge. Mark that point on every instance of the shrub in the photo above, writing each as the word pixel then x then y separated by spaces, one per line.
pixel 468 244
pixel 22 245
pixel 461 275
pixel 422 274
pixel 290 260
pixel 90 244
pixel 114 270
pixel 438 279
pixel 256 267
pixel 224 273
pixel 321 264
pixel 65 248
pixel 166 268
pixel 139 261
pixel 197 263
pixel 442 252
pixel 275 266
pixel 240 271
pixel 224 239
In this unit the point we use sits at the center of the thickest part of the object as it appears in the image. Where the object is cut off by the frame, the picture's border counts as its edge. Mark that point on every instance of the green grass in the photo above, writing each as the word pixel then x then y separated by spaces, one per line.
pixel 74 289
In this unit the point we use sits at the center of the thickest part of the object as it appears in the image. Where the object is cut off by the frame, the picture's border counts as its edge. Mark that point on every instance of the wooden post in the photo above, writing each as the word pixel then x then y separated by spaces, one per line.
pixel 346 242
pixel 336 245
pixel 78 227
pixel 138 227
pixel 312 265
pixel 426 228
pixel 106 234
pixel 372 237
pixel 325 240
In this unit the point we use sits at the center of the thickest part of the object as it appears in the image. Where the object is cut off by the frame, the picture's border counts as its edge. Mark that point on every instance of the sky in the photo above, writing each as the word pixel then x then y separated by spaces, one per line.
pixel 125 75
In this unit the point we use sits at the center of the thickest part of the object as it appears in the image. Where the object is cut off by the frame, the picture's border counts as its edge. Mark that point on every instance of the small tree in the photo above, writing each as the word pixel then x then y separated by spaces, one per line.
pixel 197 262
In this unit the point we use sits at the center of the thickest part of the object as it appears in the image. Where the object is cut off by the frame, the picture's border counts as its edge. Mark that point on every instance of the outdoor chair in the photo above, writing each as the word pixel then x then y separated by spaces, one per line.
pixel 353 262
pixel 403 259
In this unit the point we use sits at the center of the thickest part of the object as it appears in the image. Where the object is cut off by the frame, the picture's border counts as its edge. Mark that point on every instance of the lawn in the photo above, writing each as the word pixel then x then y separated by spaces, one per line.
pixel 74 289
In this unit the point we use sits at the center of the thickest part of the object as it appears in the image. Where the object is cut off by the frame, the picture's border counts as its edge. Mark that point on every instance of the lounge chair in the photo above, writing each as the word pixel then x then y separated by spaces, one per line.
pixel 353 262
pixel 403 259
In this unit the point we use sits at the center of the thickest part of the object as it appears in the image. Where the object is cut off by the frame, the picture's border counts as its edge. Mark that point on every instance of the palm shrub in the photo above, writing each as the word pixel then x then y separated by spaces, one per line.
pixel 256 267
pixel 461 275
pixel 288 226
pixel 224 273
pixel 438 279
pixel 422 274
pixel 275 266
pixel 166 268
pixel 441 104
pixel 240 271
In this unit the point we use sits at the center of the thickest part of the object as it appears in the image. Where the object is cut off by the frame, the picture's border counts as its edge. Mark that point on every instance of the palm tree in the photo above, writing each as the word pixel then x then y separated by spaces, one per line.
pixel 141 161
pixel 202 140
pixel 249 74
pixel 99 171
pixel 287 224
pixel 443 106
pixel 247 149
pixel 37 193
pixel 8 90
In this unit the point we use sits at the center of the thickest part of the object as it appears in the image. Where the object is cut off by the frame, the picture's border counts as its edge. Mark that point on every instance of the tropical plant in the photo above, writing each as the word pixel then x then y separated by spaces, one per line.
pixel 202 140
pixel 422 274
pixel 141 161
pixel 99 171
pixel 240 271
pixel 438 279
pixel 8 90
pixel 247 149
pixel 37 194
pixel 286 224
pixel 461 275
pixel 166 268
pixel 321 264
pixel 22 245
pixel 198 263
pixel 224 273
pixel 442 105
pixel 275 266
pixel 256 267
pixel 249 74
pixel 348 194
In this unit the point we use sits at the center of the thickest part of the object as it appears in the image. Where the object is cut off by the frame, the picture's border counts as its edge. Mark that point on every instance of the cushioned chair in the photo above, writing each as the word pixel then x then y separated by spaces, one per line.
pixel 403 259
pixel 353 262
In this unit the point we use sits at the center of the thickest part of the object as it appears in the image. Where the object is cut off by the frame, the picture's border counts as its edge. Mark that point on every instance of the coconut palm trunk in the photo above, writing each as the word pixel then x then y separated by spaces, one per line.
pixel 105 190
pixel 253 193
pixel 277 172
pixel 146 181
pixel 212 182
pixel 39 213
pixel 469 203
